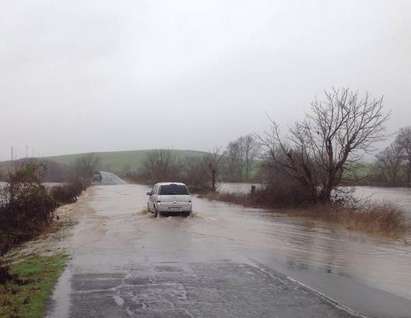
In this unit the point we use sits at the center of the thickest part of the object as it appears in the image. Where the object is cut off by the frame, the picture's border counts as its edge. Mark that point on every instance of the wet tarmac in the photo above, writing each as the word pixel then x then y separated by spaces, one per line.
pixel 224 261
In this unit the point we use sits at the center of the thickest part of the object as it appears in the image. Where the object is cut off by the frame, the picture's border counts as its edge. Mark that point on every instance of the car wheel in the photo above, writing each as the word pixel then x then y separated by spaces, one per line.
pixel 186 214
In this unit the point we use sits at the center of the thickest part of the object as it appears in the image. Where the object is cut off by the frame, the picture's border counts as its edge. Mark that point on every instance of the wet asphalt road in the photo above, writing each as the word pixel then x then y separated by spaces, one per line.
pixel 125 263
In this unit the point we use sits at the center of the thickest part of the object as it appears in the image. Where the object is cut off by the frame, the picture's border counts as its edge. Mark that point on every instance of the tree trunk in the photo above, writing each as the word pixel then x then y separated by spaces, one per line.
pixel 409 173
pixel 213 180
pixel 325 194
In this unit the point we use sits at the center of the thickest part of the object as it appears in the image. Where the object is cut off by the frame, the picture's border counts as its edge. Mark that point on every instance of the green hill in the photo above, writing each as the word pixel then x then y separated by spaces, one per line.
pixel 120 161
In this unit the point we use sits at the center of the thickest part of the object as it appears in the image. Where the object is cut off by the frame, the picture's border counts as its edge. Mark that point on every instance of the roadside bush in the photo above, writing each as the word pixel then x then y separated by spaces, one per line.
pixel 280 189
pixel 284 194
pixel 83 170
pixel 81 176
pixel 162 165
pixel 196 175
pixel 267 197
pixel 26 207
pixel 25 217
pixel 67 193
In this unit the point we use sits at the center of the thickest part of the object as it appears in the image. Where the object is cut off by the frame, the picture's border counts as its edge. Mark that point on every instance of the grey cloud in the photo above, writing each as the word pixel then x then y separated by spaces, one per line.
pixel 110 75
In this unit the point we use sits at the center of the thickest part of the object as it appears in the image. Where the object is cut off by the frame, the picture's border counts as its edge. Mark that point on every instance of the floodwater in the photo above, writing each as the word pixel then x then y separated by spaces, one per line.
pixel 400 197
pixel 240 187
pixel 334 260
pixel 367 274
pixel 339 263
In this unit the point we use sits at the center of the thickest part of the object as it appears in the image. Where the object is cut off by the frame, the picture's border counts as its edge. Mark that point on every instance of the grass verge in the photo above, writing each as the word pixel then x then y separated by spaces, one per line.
pixel 25 295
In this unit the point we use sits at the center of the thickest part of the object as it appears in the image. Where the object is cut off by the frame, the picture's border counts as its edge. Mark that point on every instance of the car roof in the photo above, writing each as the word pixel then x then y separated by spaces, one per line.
pixel 168 183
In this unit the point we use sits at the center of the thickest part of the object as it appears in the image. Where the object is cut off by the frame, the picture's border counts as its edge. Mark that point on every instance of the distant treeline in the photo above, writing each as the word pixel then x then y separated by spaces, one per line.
pixel 391 167
pixel 307 165
pixel 239 162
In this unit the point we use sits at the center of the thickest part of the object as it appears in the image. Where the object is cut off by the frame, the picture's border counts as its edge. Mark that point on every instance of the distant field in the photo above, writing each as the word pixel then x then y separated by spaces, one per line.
pixel 358 171
pixel 120 161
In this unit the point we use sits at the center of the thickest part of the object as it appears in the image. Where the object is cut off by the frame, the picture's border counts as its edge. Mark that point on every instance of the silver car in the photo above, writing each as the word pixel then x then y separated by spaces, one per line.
pixel 169 197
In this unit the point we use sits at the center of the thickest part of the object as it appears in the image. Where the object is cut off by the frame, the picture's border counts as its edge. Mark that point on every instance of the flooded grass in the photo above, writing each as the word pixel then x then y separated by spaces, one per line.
pixel 32 281
pixel 373 218
pixel 379 219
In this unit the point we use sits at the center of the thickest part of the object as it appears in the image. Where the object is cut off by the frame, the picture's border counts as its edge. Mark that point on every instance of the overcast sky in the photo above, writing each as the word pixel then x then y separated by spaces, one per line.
pixel 80 76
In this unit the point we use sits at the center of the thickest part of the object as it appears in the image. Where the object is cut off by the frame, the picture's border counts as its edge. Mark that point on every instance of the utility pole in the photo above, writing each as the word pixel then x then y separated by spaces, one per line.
pixel 12 165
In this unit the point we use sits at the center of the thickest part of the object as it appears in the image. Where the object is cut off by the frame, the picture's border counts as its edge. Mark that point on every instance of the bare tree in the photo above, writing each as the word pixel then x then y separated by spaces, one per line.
pixel 338 131
pixel 160 165
pixel 213 161
pixel 389 163
pixel 251 150
pixel 85 167
pixel 293 162
pixel 240 156
pixel 233 161
pixel 404 141
pixel 195 174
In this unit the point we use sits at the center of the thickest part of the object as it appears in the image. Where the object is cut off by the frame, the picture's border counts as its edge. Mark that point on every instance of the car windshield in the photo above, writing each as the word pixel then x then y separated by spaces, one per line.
pixel 173 189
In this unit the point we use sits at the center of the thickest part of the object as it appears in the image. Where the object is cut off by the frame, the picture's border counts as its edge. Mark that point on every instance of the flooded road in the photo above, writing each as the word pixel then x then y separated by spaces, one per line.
pixel 225 261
